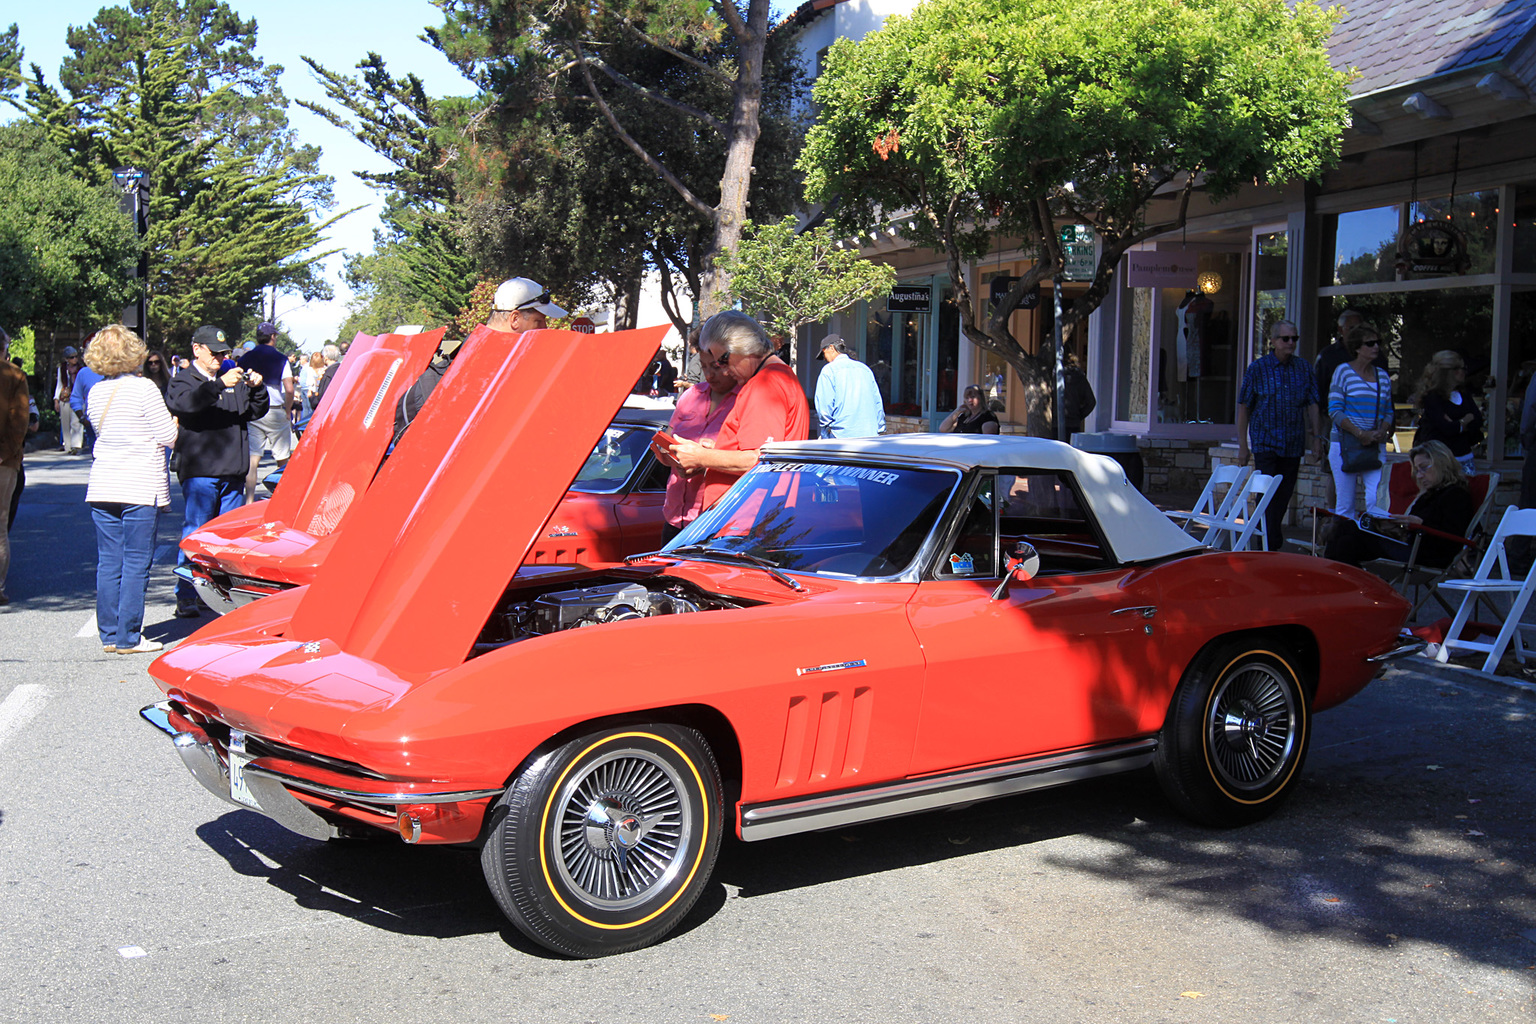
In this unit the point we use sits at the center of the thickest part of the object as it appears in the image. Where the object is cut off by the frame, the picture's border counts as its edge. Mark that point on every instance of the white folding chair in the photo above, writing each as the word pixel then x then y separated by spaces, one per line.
pixel 1208 508
pixel 1492 579
pixel 1237 530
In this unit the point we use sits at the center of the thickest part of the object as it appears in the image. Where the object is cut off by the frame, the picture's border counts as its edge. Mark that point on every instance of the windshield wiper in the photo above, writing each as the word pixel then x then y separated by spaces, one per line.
pixel 729 555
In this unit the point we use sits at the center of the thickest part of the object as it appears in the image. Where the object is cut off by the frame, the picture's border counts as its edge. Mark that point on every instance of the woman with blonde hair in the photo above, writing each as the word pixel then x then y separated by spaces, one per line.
pixel 1444 503
pixel 1449 415
pixel 128 485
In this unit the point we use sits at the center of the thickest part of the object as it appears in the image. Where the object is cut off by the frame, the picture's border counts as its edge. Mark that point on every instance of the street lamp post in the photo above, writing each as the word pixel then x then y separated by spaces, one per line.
pixel 133 199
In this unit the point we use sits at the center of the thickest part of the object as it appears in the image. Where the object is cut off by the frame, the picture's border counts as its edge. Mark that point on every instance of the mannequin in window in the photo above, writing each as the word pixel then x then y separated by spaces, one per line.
pixel 1194 316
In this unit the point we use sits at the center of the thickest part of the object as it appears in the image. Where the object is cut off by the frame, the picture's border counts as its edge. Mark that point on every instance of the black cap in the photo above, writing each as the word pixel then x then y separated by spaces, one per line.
pixel 211 338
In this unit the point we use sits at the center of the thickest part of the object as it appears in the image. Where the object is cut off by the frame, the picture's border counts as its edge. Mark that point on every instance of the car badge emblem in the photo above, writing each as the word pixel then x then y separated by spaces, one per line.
pixel 313 647
pixel 560 531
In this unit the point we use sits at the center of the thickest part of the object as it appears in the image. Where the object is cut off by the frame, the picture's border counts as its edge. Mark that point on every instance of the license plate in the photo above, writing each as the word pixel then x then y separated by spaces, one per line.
pixel 238 759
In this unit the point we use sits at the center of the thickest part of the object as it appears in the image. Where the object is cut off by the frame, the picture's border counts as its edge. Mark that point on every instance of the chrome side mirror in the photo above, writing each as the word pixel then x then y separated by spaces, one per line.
pixel 1023 566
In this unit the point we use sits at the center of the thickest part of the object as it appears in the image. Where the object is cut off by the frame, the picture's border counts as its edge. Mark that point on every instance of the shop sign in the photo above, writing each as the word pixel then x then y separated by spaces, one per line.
pixel 910 298
pixel 1078 263
pixel 1166 268
pixel 1432 248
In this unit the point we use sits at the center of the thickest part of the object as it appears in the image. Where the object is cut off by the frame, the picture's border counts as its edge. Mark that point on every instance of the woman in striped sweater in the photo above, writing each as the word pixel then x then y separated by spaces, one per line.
pixel 1360 405
pixel 128 485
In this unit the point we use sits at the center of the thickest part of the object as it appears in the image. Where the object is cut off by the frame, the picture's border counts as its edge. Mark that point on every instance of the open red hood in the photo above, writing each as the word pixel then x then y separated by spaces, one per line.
pixel 437 537
pixel 349 432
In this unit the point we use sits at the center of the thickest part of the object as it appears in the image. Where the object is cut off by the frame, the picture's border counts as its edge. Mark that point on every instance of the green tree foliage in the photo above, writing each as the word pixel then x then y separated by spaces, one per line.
pixel 648 126
pixel 65 248
pixel 173 88
pixel 384 295
pixel 789 278
pixel 428 265
pixel 990 119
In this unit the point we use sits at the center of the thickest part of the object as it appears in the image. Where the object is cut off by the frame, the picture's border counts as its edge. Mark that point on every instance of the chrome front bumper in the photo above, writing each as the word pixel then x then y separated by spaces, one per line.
pixel 268 780
pixel 224 593
pixel 1406 644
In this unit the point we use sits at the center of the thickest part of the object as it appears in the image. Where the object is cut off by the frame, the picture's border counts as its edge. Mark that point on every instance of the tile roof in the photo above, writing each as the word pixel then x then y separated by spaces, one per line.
pixel 1394 42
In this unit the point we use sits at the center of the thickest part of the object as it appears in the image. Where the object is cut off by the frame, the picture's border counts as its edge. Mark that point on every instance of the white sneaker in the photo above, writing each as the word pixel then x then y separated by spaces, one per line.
pixel 144 647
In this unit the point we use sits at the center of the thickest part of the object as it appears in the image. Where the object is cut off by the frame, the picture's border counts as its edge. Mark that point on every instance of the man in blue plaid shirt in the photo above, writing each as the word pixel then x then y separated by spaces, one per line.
pixel 1276 407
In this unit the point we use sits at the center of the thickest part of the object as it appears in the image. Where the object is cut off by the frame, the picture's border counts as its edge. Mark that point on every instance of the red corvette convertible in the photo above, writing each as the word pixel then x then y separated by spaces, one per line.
pixel 612 508
pixel 857 630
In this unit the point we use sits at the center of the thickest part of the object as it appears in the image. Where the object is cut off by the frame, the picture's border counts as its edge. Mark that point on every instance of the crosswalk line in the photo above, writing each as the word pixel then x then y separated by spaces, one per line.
pixel 89 629
pixel 20 706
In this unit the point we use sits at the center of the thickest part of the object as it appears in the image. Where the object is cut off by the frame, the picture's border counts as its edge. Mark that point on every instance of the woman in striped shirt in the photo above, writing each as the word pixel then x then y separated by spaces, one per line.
pixel 128 485
pixel 1359 404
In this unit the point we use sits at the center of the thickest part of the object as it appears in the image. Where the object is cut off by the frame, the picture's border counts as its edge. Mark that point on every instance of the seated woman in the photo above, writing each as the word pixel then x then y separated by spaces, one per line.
pixel 1444 503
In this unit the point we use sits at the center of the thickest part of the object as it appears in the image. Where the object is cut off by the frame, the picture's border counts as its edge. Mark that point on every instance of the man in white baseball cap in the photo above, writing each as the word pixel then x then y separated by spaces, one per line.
pixel 521 305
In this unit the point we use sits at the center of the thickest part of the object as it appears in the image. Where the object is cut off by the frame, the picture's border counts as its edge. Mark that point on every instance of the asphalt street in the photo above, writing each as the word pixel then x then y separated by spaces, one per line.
pixel 1398 884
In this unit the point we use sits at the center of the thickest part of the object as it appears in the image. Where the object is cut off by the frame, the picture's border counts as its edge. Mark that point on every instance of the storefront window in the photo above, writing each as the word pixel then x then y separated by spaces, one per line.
pixel 1416 325
pixel 1365 245
pixel 948 352
pixel 1522 364
pixel 1134 358
pixel 1525 229
pixel 1476 214
pixel 1198 344
pixel 877 351
pixel 1269 259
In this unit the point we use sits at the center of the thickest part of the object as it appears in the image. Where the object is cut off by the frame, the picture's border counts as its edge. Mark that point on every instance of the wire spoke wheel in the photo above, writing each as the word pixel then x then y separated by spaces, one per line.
pixel 620 829
pixel 604 844
pixel 1251 727
pixel 1236 733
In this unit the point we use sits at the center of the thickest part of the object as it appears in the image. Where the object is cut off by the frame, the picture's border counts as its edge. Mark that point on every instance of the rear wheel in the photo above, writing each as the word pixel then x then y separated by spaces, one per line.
pixel 1236 734
pixel 604 845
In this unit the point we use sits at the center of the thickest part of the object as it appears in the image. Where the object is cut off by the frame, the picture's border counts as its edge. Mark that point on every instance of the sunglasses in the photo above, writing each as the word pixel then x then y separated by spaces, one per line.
pixel 1287 337
pixel 1376 343
pixel 721 362
pixel 542 300
pixel 152 362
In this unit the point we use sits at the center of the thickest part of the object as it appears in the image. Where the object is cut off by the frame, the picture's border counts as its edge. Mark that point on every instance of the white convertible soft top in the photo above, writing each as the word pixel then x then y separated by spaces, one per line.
pixel 1134 528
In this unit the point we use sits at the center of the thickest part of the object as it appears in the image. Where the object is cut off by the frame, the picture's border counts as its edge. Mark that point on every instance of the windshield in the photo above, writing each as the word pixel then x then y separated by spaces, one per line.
pixel 823 517
pixel 614 459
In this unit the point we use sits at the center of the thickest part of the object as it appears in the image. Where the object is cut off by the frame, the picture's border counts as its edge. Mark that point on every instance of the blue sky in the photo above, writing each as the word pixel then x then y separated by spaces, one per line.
pixel 337 33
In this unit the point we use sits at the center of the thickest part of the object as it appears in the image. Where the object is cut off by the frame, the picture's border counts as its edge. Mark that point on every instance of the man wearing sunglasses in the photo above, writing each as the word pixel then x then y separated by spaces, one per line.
pixel 519 304
pixel 1276 408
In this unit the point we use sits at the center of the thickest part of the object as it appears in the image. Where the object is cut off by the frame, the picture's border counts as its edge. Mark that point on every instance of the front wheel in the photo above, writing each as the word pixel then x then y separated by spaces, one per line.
pixel 604 845
pixel 1236 734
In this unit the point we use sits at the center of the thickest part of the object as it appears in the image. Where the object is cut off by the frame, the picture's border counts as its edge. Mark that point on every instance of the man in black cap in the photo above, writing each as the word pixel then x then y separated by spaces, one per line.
pixel 212 409
pixel 274 431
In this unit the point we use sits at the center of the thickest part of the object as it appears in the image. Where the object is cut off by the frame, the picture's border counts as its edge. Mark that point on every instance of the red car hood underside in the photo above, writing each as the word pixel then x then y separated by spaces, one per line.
pixel 349 432
pixel 434 541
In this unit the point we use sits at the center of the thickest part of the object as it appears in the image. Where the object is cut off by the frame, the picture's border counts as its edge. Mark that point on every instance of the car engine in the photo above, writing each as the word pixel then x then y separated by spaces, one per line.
pixel 525 616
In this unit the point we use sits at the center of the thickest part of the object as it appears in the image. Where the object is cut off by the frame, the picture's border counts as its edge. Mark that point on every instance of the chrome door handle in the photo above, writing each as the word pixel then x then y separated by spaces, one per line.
pixel 1146 611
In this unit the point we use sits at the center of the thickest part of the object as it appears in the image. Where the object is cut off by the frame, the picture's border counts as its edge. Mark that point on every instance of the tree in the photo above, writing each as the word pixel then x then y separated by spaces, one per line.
pixel 989 119
pixel 679 84
pixel 384 296
pixel 172 88
pixel 791 278
pixel 66 250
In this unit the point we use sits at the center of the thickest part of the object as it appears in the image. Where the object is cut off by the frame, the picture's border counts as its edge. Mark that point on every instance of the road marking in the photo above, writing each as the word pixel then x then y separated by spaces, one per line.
pixel 129 952
pixel 21 706
pixel 89 629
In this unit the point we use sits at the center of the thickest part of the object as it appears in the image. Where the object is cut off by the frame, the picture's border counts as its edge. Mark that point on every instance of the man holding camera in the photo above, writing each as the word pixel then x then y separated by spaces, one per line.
pixel 212 407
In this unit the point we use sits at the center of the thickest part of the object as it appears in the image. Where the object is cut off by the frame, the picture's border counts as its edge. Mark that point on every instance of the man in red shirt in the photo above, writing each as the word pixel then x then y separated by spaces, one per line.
pixel 770 405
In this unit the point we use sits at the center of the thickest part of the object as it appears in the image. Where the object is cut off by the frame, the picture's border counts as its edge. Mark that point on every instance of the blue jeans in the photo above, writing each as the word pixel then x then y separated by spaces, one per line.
pixel 125 546
pixel 204 498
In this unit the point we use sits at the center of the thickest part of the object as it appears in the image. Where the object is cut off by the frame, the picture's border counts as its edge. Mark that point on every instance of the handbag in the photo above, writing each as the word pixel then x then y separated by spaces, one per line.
pixel 1355 456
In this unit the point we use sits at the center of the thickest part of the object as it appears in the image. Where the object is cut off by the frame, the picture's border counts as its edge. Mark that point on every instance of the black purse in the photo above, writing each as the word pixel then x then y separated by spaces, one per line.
pixel 1355 456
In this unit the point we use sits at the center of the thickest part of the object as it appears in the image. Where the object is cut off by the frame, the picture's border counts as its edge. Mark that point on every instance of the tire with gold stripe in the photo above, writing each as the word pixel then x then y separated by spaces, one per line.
pixel 1236 734
pixel 604 845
